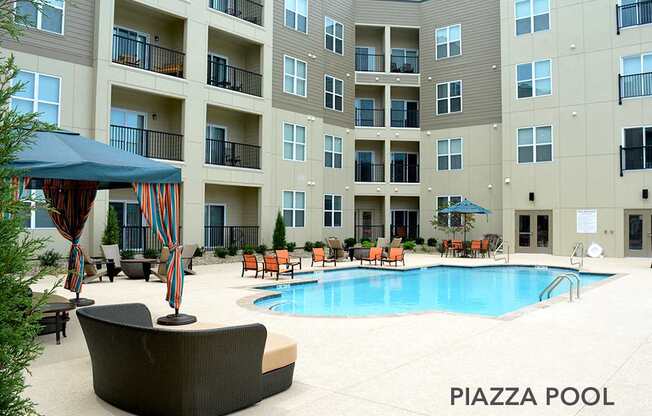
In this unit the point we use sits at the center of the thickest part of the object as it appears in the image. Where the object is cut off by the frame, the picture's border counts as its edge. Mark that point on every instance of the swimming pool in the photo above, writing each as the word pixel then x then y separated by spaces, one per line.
pixel 490 291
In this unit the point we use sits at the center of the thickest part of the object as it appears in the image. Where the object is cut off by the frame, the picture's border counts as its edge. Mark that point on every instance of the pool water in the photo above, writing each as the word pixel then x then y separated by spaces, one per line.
pixel 490 291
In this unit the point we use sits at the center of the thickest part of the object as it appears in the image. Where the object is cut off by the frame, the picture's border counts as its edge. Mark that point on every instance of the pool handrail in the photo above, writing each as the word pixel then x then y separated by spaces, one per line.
pixel 574 254
pixel 500 248
pixel 553 285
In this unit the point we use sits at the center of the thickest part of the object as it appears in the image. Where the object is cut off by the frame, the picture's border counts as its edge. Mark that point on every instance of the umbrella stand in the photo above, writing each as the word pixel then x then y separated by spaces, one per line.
pixel 176 319
pixel 81 302
pixel 464 240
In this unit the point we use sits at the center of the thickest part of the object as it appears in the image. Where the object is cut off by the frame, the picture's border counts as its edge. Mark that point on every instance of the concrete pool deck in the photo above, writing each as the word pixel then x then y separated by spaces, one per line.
pixel 405 365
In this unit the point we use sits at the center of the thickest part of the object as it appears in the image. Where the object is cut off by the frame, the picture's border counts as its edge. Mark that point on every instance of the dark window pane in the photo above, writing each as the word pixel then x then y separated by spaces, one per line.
pixel 289 18
pixel 456 162
pixel 635 232
pixel 52 19
pixel 337 219
pixel 442 51
pixel 328 219
pixel 455 48
pixel 299 217
pixel 442 162
pixel 42 219
pixel 337 163
pixel 523 26
pixel 301 23
pixel 456 105
pixel 442 106
pixel 544 153
pixel 525 154
pixel 27 11
pixel 525 89
pixel 287 218
pixel 633 148
pixel 541 22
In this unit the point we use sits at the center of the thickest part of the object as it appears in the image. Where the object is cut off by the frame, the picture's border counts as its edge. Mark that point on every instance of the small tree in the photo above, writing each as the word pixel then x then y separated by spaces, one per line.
pixel 278 239
pixel 111 234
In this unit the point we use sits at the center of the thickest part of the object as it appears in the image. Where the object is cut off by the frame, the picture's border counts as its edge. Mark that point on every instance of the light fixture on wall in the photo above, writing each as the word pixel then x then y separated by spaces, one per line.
pixel 490 186
pixel 508 180
pixel 429 189
pixel 156 38
pixel 154 116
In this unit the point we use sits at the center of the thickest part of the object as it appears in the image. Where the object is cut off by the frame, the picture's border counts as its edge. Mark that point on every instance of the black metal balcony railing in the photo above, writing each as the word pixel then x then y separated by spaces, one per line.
pixel 406 232
pixel 368 62
pixel 139 238
pixel 143 55
pixel 404 173
pixel 634 14
pixel 405 64
pixel 223 153
pixel 369 172
pixel 148 143
pixel 243 9
pixel 635 85
pixel 232 78
pixel 230 236
pixel 369 232
pixel 405 118
pixel 635 157
pixel 369 117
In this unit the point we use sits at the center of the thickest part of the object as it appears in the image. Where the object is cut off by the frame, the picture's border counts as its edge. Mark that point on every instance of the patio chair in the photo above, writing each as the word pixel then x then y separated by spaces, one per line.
pixel 395 255
pixel 335 247
pixel 162 269
pixel 250 262
pixel 284 257
pixel 476 246
pixel 271 265
pixel 187 255
pixel 111 254
pixel 381 242
pixel 484 248
pixel 90 269
pixel 206 371
pixel 375 255
pixel 457 247
pixel 447 246
pixel 396 242
pixel 318 255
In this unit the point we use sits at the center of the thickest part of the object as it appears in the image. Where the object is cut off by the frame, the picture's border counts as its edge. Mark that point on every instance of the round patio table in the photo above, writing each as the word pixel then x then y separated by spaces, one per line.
pixel 60 311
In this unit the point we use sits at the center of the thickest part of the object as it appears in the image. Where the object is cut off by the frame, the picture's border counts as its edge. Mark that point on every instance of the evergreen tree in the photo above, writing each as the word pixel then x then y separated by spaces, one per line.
pixel 111 234
pixel 278 239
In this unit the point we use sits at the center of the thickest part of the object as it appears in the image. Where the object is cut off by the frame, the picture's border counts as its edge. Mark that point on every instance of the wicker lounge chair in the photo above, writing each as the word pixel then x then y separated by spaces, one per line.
pixel 162 270
pixel 272 265
pixel 396 242
pixel 395 255
pixel 112 255
pixel 375 255
pixel 250 262
pixel 318 255
pixel 187 255
pixel 335 247
pixel 205 372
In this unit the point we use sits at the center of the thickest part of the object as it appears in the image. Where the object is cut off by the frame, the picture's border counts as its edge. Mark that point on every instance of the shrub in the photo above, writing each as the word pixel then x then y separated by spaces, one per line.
pixel 261 249
pixel 307 246
pixel 248 249
pixel 199 252
pixel 151 253
pixel 220 252
pixel 127 254
pixel 349 242
pixel 367 244
pixel 278 239
pixel 318 244
pixel 419 241
pixel 365 240
pixel 49 258
pixel 409 245
pixel 291 247
pixel 112 230
pixel 432 242
pixel 233 251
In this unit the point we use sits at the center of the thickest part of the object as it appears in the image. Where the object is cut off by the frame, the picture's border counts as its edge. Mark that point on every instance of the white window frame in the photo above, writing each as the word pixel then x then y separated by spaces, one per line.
pixel 448 199
pixel 333 152
pixel 295 77
pixel 333 210
pixel 35 100
pixel 531 17
pixel 39 18
pixel 448 42
pixel 534 79
pixel 294 208
pixel 450 154
pixel 294 141
pixel 622 142
pixel 296 13
pixel 535 146
pixel 334 35
pixel 326 92
pixel 448 98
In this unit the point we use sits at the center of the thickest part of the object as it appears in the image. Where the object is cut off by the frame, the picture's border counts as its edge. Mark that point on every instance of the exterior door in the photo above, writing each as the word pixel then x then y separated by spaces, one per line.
pixel 638 233
pixel 534 232
pixel 130 48
pixel 405 224
pixel 128 130
pixel 215 144
pixel 365 58
pixel 218 69
pixel 364 112
pixel 130 221
pixel 214 221
pixel 364 167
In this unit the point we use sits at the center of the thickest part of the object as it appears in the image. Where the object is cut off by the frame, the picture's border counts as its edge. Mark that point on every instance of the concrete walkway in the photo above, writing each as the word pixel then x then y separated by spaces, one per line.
pixel 406 365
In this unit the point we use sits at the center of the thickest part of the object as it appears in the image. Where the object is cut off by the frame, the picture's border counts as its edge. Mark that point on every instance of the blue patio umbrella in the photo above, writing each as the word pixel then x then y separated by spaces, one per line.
pixel 465 207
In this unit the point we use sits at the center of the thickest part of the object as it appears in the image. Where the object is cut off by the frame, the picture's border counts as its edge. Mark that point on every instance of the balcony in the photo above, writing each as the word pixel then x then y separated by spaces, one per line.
pixel 230 236
pixel 246 10
pixel 148 143
pixel 405 118
pixel 634 85
pixel 633 14
pixel 402 172
pixel 369 117
pixel 405 64
pixel 368 62
pixel 227 153
pixel 143 55
pixel 369 172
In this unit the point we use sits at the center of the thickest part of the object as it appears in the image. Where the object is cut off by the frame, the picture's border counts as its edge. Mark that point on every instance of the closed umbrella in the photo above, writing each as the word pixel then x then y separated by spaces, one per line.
pixel 465 207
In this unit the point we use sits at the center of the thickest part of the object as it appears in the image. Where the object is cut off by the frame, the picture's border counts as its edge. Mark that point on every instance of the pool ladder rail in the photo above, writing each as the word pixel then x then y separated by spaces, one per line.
pixel 573 280
pixel 577 256
pixel 501 252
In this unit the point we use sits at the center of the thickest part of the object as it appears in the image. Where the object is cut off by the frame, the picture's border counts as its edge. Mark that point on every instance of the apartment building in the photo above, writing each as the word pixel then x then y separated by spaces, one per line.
pixel 361 117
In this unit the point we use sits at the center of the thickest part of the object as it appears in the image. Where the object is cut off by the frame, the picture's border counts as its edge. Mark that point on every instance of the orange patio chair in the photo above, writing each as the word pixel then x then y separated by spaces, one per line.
pixel 272 266
pixel 318 255
pixel 484 248
pixel 447 247
pixel 476 246
pixel 457 247
pixel 395 255
pixel 250 262
pixel 375 254
pixel 284 257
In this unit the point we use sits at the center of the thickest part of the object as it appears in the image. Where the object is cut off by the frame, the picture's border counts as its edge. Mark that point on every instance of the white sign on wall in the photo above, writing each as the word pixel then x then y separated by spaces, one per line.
pixel 587 221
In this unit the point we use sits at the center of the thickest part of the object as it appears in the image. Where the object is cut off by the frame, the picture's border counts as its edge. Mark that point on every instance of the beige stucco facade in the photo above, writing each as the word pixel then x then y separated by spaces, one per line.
pixel 583 110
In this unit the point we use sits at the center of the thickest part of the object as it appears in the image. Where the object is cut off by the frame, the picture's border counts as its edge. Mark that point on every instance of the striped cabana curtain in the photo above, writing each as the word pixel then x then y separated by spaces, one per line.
pixel 159 203
pixel 71 202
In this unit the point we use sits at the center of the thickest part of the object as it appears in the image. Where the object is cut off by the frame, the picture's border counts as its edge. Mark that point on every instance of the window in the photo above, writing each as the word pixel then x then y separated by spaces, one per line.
pixel 637 148
pixel 636 80
pixel 405 60
pixel 532 16
pixel 405 113
pixel 449 41
pixel 534 144
pixel 533 79
pixel 449 154
pixel 294 142
pixel 49 18
pixel 40 94
pixel 333 92
pixel 296 15
pixel 333 152
pixel 332 210
pixel 449 97
pixel 39 216
pixel 334 35
pixel 295 76
pixel 294 208
pixel 448 220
